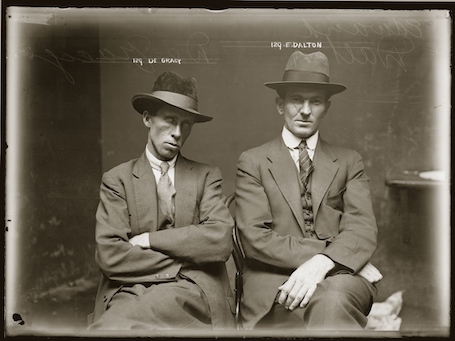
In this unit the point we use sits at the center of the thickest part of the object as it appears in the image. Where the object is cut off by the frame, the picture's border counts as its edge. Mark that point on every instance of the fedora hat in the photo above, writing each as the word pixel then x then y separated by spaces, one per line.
pixel 172 89
pixel 311 69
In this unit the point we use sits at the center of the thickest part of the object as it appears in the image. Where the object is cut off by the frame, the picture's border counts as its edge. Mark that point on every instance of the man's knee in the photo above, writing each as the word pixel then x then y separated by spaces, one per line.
pixel 339 302
pixel 348 287
pixel 332 294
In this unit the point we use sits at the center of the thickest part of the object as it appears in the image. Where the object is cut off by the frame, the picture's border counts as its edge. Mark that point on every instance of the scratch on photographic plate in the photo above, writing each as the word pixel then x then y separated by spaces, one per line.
pixel 32 18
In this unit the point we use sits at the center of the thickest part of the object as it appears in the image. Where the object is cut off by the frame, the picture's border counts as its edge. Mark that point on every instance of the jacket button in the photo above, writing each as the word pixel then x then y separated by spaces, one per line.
pixel 167 276
pixel 157 276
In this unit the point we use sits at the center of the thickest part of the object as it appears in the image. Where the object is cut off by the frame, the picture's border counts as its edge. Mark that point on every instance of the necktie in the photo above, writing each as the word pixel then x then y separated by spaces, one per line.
pixel 306 166
pixel 166 193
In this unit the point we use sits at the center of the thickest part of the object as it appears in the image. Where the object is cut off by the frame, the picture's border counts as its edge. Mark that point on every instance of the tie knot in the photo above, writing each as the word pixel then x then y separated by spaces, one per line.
pixel 302 144
pixel 164 167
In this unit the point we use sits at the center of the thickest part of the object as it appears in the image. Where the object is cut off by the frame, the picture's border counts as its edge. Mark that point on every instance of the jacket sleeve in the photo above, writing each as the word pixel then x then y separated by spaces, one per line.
pixel 210 240
pixel 357 238
pixel 256 223
pixel 116 257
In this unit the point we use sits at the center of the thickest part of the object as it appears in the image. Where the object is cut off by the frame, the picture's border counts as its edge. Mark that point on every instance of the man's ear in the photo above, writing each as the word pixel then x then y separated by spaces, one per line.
pixel 146 118
pixel 327 106
pixel 279 105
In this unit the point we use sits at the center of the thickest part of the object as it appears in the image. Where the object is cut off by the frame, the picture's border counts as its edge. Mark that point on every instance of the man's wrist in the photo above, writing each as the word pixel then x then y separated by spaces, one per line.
pixel 147 240
pixel 142 240
pixel 328 263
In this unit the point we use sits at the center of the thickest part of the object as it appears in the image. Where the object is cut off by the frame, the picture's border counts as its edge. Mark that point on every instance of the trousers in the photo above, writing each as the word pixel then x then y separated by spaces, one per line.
pixel 179 304
pixel 340 302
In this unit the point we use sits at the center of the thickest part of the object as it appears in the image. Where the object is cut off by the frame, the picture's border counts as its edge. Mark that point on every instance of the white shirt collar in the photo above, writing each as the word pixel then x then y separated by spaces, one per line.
pixel 155 163
pixel 291 141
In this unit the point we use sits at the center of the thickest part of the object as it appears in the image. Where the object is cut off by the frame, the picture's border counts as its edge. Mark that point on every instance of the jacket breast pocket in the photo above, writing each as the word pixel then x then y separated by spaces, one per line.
pixel 336 200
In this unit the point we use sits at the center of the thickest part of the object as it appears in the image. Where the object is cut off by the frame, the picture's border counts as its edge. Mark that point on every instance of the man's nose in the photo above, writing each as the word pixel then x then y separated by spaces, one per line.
pixel 177 131
pixel 305 109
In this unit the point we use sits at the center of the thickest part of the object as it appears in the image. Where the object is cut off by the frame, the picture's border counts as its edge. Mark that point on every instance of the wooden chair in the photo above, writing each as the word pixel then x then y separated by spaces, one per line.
pixel 239 258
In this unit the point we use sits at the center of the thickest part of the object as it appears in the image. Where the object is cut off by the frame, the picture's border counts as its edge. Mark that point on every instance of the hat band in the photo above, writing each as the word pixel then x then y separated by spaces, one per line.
pixel 304 76
pixel 176 98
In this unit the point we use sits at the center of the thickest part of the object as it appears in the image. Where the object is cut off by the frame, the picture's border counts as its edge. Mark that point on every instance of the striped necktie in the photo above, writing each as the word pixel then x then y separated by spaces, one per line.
pixel 166 193
pixel 306 166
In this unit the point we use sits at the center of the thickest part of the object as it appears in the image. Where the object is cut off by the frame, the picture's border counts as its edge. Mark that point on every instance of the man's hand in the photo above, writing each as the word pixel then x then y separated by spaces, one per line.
pixel 370 273
pixel 302 283
pixel 142 240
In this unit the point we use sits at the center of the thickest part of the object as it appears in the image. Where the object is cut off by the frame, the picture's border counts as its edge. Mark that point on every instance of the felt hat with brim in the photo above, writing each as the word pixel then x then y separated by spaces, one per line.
pixel 310 69
pixel 171 88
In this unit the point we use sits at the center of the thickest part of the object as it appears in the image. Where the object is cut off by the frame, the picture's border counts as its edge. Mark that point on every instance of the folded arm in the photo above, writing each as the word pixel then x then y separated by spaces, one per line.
pixel 208 241
pixel 116 257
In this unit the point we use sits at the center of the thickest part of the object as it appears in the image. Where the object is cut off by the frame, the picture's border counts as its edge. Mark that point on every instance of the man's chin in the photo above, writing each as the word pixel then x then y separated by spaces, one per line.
pixel 303 134
pixel 167 155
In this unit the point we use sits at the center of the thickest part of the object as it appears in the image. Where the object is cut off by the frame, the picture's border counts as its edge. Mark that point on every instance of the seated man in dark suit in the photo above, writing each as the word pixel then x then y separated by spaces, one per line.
pixel 305 216
pixel 163 232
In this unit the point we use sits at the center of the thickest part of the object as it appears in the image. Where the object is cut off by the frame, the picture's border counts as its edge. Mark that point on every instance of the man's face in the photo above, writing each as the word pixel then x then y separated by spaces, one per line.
pixel 303 108
pixel 169 127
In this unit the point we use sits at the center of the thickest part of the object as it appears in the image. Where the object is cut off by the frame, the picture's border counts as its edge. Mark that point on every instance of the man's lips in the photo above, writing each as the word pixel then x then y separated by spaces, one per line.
pixel 172 145
pixel 303 122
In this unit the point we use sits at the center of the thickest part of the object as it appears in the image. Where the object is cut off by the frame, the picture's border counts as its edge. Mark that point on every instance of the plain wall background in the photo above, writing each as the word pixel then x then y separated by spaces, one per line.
pixel 53 159
pixel 395 113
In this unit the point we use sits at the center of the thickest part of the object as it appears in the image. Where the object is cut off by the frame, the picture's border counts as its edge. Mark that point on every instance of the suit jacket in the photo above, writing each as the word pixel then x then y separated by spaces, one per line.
pixel 198 246
pixel 270 218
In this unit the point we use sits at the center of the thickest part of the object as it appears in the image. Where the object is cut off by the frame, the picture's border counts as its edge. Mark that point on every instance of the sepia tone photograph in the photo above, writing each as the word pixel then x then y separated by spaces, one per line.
pixel 241 172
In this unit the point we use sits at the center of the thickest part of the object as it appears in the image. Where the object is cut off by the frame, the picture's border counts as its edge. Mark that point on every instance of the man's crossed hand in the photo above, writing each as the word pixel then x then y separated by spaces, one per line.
pixel 302 283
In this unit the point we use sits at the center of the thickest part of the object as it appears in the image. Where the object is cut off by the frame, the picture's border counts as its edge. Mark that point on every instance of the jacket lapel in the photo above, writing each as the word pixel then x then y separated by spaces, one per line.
pixel 285 174
pixel 325 170
pixel 186 191
pixel 146 198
